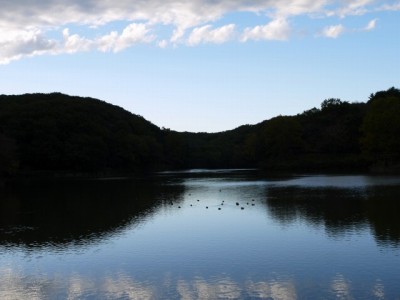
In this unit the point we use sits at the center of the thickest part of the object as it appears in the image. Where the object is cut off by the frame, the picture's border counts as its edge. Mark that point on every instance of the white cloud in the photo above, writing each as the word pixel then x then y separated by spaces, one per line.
pixel 333 31
pixel 371 25
pixel 177 34
pixel 206 34
pixel 107 42
pixel 278 29
pixel 19 43
pixel 74 43
pixel 286 8
pixel 163 44
pixel 133 34
pixel 352 8
pixel 25 25
pixel 336 30
pixel 390 7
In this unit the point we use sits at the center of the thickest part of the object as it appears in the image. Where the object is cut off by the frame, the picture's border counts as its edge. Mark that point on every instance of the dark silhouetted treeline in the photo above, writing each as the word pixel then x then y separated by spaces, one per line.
pixel 60 134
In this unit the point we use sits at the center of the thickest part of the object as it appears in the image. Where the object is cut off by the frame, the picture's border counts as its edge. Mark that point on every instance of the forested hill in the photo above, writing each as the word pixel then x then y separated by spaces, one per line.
pixel 56 133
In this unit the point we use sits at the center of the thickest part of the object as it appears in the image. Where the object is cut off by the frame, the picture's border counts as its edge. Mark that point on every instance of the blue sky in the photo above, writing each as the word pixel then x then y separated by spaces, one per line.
pixel 201 65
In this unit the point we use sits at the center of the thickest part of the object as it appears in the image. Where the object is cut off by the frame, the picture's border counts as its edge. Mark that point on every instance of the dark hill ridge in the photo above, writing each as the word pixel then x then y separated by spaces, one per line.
pixel 58 133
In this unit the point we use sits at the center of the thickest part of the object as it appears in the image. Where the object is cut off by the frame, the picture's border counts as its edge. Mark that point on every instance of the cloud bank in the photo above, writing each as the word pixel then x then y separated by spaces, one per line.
pixel 33 27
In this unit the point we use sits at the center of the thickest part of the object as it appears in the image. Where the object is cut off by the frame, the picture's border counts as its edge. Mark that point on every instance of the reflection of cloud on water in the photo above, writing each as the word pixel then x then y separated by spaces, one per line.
pixel 124 287
pixel 277 290
pixel 109 287
pixel 379 290
pixel 78 286
pixel 201 289
pixel 226 288
pixel 341 287
pixel 16 285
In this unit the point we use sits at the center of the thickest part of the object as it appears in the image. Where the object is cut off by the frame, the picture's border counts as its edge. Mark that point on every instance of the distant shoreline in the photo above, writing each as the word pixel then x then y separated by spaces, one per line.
pixel 56 135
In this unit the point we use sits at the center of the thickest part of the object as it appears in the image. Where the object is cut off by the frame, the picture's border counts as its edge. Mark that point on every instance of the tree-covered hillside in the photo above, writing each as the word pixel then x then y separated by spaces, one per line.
pixel 57 133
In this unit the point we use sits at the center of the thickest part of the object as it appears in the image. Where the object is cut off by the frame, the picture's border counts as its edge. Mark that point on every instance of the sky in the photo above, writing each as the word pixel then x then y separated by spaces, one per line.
pixel 202 65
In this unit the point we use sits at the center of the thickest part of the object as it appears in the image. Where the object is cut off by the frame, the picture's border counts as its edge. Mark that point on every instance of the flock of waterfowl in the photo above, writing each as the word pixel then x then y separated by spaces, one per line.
pixel 219 207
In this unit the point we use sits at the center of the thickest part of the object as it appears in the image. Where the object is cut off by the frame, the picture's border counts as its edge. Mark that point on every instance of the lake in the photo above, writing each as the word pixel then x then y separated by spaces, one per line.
pixel 202 234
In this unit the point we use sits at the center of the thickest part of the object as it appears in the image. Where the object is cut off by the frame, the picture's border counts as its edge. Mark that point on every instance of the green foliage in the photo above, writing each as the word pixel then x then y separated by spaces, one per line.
pixel 381 127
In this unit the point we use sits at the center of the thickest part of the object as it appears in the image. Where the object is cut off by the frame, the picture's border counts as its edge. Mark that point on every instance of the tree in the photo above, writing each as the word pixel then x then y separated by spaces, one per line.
pixel 331 103
pixel 8 156
pixel 381 127
pixel 282 137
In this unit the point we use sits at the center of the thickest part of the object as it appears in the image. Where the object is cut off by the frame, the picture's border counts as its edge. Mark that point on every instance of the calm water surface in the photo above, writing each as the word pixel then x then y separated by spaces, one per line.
pixel 202 235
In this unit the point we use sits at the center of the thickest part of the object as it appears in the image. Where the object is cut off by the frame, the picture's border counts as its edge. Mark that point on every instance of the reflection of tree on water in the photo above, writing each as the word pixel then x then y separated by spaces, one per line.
pixel 383 212
pixel 336 209
pixel 62 212
pixel 341 211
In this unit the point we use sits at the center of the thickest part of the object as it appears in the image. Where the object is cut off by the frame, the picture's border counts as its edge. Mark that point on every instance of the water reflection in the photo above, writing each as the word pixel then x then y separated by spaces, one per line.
pixel 341 287
pixel 125 286
pixel 282 289
pixel 226 288
pixel 382 211
pixel 337 181
pixel 337 210
pixel 340 211
pixel 183 237
pixel 199 288
pixel 57 213
pixel 14 286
